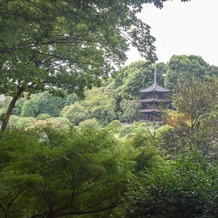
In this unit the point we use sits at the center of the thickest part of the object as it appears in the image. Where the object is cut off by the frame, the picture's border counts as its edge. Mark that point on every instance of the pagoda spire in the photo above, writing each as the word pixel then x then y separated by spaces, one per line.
pixel 155 77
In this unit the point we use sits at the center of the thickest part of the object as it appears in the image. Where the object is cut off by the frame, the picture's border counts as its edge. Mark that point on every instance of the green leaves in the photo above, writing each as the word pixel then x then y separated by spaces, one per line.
pixel 129 110
pixel 182 68
pixel 184 187
pixel 75 171
pixel 46 37
pixel 195 126
pixel 99 104
pixel 75 113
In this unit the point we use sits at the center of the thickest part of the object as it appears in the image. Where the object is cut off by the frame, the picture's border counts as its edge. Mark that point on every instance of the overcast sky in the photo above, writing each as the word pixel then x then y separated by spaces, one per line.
pixel 183 28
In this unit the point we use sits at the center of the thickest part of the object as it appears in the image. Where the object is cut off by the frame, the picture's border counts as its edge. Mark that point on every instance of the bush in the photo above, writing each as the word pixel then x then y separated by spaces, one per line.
pixel 186 187
pixel 43 169
pixel 115 126
pixel 43 116
pixel 90 122
pixel 54 122
pixel 21 122
pixel 75 113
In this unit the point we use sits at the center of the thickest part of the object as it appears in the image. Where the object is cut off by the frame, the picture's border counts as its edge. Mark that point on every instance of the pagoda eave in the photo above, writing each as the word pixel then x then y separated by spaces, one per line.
pixel 149 100
pixel 155 88
pixel 149 111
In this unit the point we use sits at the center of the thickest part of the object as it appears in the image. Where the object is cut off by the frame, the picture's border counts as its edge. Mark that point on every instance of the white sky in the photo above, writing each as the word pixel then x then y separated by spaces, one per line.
pixel 189 28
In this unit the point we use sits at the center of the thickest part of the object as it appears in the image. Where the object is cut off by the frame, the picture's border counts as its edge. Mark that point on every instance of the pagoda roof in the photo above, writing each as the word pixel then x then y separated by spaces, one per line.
pixel 149 110
pixel 148 100
pixel 154 88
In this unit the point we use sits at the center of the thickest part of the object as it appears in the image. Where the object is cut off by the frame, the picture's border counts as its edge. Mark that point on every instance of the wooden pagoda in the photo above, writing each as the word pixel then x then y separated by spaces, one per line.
pixel 153 101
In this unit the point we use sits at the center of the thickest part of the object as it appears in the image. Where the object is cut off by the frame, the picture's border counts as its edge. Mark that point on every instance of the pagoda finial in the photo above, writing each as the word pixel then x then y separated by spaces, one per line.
pixel 155 77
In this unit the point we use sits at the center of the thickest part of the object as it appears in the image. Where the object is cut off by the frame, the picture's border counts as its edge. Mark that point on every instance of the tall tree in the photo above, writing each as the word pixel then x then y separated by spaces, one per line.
pixel 129 79
pixel 182 68
pixel 98 104
pixel 65 44
pixel 196 125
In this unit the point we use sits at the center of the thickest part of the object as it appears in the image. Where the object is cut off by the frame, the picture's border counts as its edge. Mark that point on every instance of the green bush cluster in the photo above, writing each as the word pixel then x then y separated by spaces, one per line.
pixel 88 172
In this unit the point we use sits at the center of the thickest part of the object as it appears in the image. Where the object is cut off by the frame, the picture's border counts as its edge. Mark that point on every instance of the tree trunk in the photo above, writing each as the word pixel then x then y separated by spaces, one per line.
pixel 10 108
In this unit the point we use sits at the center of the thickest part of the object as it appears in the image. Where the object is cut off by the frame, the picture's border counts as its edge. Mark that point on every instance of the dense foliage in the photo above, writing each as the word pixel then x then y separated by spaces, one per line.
pixel 115 171
pixel 54 173
pixel 186 187
pixel 65 156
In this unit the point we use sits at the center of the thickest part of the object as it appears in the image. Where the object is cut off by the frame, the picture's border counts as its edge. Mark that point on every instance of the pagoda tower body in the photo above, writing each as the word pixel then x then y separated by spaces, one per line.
pixel 153 101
